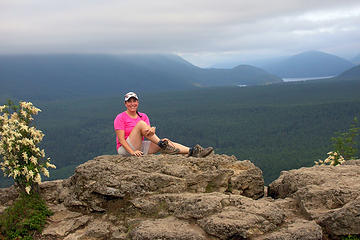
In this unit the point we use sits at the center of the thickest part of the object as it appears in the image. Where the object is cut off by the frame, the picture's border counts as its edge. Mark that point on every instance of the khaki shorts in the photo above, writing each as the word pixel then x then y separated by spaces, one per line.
pixel 144 148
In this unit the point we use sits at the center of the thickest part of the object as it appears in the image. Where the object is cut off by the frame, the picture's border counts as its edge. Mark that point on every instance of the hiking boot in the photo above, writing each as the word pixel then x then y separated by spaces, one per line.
pixel 166 148
pixel 200 152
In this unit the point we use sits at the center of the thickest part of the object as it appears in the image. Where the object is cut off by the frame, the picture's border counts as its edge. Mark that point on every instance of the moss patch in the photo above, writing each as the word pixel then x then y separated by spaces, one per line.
pixel 25 218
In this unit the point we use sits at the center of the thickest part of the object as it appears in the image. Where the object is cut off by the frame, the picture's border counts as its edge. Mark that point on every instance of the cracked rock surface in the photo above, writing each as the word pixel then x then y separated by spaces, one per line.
pixel 217 197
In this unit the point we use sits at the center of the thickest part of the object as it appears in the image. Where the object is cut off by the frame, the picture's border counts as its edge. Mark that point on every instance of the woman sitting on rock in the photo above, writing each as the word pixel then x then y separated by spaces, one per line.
pixel 132 126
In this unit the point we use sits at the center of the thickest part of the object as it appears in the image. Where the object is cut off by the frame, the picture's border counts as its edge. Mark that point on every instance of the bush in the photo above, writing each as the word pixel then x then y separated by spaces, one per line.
pixel 21 158
pixel 25 218
pixel 351 237
pixel 345 145
pixel 345 142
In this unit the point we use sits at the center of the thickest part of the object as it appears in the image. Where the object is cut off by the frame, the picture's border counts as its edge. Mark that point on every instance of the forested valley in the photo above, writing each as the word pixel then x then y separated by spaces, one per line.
pixel 277 127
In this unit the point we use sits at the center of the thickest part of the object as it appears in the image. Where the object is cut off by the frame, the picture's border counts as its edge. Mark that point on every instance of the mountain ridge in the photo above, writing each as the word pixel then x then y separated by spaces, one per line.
pixel 309 64
pixel 67 75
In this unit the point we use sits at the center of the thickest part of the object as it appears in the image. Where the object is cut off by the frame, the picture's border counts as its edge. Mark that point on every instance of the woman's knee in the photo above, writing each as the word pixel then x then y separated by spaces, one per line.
pixel 141 123
pixel 141 126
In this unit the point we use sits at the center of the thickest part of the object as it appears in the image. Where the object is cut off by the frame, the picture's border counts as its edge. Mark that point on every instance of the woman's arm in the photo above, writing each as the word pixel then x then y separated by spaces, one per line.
pixel 120 134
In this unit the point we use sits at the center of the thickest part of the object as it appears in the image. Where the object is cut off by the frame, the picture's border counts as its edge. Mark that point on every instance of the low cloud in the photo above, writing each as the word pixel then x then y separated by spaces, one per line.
pixel 193 29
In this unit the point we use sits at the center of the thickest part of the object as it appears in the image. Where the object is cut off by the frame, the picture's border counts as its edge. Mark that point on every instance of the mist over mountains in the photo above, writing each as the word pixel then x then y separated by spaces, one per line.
pixel 57 76
pixel 306 64
pixel 309 64
pixel 64 76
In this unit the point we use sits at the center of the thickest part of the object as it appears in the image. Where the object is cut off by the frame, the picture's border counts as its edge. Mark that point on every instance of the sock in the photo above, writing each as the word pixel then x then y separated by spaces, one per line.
pixel 191 150
pixel 161 144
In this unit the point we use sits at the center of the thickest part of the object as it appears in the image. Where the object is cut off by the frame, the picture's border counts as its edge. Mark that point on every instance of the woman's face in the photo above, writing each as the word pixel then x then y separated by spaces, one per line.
pixel 132 104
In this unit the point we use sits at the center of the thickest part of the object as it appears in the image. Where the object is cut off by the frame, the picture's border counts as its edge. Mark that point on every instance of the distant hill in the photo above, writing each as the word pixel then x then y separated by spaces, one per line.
pixel 72 75
pixel 351 74
pixel 240 75
pixel 309 64
pixel 356 60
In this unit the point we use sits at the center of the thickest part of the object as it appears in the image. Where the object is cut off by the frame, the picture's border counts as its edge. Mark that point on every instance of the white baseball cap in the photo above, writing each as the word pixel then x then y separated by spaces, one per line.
pixel 130 95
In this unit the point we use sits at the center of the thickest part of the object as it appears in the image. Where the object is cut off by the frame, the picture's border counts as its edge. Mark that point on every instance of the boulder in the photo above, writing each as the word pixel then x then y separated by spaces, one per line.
pixel 243 218
pixel 329 195
pixel 167 229
pixel 299 229
pixel 116 177
pixel 217 197
pixel 8 195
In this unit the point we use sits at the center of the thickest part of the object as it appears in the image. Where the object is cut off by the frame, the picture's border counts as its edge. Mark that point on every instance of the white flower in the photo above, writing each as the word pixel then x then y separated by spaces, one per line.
pixel 49 165
pixel 45 171
pixel 16 173
pixel 27 189
pixel 37 178
pixel 33 160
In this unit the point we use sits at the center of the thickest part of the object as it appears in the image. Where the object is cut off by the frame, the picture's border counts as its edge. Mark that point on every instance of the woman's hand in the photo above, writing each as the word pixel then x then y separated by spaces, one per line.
pixel 138 153
pixel 150 131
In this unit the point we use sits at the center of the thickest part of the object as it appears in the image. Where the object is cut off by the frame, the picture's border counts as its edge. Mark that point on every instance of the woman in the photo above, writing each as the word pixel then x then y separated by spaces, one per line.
pixel 131 127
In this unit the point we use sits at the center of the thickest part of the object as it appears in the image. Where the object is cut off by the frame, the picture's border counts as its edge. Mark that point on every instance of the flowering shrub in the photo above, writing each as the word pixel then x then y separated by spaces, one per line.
pixel 333 159
pixel 21 158
pixel 345 145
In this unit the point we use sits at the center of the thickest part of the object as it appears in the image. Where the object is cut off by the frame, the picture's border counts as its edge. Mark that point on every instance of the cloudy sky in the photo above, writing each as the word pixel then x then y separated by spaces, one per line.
pixel 204 32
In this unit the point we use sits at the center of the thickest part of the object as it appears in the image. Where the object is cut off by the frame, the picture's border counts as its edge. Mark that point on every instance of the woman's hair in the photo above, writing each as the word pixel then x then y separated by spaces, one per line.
pixel 137 112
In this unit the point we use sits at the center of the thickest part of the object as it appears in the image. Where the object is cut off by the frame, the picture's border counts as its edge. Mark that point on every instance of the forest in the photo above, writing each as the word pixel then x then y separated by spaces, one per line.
pixel 277 127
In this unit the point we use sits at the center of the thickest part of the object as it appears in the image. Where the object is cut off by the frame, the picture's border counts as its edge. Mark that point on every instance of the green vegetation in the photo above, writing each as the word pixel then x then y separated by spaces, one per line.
pixel 278 127
pixel 21 158
pixel 345 146
pixel 25 218
pixel 345 142
pixel 351 237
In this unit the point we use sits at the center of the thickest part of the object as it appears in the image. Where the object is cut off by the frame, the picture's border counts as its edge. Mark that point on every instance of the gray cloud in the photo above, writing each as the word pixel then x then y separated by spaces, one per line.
pixel 202 31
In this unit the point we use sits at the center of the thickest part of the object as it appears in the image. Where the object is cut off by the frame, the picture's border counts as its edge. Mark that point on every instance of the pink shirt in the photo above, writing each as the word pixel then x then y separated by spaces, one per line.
pixel 124 122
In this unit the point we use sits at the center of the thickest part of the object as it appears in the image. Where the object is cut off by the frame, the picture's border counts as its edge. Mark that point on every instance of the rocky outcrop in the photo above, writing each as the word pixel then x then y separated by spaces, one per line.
pixel 326 194
pixel 114 177
pixel 218 197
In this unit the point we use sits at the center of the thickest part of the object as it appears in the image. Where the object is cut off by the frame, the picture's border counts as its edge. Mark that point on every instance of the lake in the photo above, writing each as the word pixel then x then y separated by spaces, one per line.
pixel 304 79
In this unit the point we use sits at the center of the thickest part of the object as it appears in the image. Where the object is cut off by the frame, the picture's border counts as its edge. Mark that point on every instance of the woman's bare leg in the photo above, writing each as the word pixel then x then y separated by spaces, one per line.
pixel 183 149
pixel 138 132
pixel 154 148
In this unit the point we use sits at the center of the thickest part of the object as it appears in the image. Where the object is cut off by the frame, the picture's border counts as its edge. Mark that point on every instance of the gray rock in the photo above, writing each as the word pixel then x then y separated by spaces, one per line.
pixel 167 229
pixel 218 197
pixel 342 221
pixel 8 196
pixel 65 226
pixel 111 177
pixel 300 229
pixel 341 176
pixel 327 194
pixel 52 191
pixel 248 218
pixel 95 230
